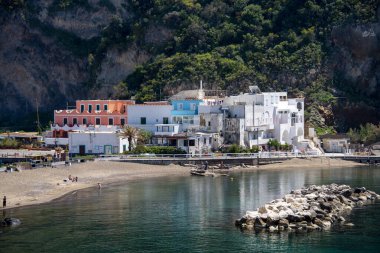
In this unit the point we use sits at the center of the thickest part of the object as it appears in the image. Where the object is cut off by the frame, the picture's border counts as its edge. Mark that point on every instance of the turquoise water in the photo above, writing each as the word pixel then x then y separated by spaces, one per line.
pixel 188 214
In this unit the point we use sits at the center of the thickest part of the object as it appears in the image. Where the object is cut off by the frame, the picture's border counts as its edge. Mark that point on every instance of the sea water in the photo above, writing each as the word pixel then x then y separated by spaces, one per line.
pixel 189 214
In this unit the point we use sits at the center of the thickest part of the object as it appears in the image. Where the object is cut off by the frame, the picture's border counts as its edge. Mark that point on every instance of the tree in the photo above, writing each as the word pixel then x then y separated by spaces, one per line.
pixel 131 134
pixel 143 137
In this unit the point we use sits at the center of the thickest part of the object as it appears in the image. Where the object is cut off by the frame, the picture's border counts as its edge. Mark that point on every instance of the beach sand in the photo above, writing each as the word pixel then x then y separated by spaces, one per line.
pixel 45 184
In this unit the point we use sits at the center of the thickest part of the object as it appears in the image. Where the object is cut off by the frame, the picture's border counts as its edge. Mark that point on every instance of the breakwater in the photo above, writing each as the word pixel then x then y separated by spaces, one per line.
pixel 309 208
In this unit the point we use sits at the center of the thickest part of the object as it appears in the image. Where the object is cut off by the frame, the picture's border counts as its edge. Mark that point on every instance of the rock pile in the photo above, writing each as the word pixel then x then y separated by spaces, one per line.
pixel 9 222
pixel 311 208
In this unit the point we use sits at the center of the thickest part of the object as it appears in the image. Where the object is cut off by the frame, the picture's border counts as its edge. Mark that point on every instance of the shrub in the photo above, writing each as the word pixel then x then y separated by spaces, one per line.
pixel 9 143
pixel 161 150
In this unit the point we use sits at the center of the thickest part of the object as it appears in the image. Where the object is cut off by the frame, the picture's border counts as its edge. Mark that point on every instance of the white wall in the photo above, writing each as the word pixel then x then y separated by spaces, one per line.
pixel 154 114
pixel 95 142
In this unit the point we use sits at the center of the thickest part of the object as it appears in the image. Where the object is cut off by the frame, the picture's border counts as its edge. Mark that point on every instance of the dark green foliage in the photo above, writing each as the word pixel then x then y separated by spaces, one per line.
pixel 9 143
pixel 279 45
pixel 365 134
pixel 234 148
pixel 64 5
pixel 274 144
pixel 11 5
pixel 162 150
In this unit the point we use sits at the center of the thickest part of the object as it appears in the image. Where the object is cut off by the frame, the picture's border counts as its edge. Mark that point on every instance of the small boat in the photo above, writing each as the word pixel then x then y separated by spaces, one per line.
pixel 203 173
pixel 198 172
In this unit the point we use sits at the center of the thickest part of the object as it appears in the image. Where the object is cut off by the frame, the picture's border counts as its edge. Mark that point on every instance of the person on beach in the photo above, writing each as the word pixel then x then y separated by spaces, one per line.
pixel 99 185
pixel 5 201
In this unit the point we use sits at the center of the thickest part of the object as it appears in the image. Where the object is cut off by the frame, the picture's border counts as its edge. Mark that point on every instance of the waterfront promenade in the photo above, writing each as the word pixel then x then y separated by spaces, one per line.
pixel 238 158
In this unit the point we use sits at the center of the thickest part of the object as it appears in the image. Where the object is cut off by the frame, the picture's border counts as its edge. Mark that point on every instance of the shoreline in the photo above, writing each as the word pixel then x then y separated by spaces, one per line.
pixel 33 187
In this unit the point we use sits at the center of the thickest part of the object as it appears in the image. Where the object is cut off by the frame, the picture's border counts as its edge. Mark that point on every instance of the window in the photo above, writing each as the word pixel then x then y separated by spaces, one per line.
pixel 98 107
pixel 193 106
pixel 84 121
pixel 177 120
pixel 105 107
pixel 143 121
pixel 179 106
pixel 192 143
pixel 122 122
pixel 165 120
pixel 89 108
pixel 65 121
pixel 75 121
pixel 97 121
pixel 110 121
pixel 81 108
pixel 204 141
pixel 185 143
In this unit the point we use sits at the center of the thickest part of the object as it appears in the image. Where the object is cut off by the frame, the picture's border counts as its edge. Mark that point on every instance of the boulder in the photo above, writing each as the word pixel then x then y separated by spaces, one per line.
pixel 273 216
pixel 284 223
pixel 259 223
pixel 359 190
pixel 295 218
pixel 325 206
pixel 7 222
pixel 323 224
pixel 309 208
pixel 346 193
pixel 283 214
pixel 252 214
pixel 273 228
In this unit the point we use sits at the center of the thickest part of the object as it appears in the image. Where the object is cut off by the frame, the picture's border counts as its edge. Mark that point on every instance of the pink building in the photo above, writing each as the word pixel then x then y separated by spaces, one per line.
pixel 95 112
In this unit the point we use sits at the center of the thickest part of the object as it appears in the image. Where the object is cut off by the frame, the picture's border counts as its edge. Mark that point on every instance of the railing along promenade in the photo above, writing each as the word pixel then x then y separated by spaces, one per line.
pixel 249 158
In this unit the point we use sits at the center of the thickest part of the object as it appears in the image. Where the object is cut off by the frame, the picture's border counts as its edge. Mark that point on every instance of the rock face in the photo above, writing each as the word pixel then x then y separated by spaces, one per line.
pixel 7 222
pixel 311 208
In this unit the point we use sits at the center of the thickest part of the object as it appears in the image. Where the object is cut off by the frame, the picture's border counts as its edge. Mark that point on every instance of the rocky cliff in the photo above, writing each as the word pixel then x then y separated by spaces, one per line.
pixel 53 52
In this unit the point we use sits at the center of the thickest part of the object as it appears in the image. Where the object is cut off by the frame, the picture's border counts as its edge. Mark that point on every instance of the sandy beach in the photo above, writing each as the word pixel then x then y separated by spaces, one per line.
pixel 45 184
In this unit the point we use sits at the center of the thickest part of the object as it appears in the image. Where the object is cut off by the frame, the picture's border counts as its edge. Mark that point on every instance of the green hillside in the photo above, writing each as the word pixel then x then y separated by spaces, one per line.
pixel 309 48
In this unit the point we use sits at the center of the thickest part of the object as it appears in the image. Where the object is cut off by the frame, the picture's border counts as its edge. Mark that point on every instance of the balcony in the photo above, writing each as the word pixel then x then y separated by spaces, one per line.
pixel 166 129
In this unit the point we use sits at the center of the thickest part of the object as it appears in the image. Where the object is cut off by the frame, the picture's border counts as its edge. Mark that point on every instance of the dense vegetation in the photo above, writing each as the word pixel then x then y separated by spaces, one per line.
pixel 278 45
pixel 365 134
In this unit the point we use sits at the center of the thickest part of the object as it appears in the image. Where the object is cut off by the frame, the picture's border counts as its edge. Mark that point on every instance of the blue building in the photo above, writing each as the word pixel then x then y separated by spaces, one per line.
pixel 185 108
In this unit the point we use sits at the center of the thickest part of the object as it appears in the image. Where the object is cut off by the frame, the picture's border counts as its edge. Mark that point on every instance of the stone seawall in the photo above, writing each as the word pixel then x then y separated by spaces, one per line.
pixel 311 208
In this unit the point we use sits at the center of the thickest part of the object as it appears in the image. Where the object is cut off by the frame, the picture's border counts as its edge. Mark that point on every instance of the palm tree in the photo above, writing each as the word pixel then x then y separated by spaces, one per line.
pixel 131 134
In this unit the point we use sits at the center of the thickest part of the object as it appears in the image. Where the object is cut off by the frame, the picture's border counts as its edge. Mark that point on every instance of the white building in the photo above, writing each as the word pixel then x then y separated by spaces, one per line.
pixel 146 116
pixel 91 142
pixel 256 117
pixel 196 143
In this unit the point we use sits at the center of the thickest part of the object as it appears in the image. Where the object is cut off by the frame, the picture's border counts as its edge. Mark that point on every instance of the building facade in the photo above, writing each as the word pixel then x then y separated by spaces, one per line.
pixel 91 142
pixel 94 112
pixel 146 116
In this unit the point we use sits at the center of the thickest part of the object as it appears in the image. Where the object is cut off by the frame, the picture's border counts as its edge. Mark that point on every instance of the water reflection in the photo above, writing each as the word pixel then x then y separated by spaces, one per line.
pixel 181 214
